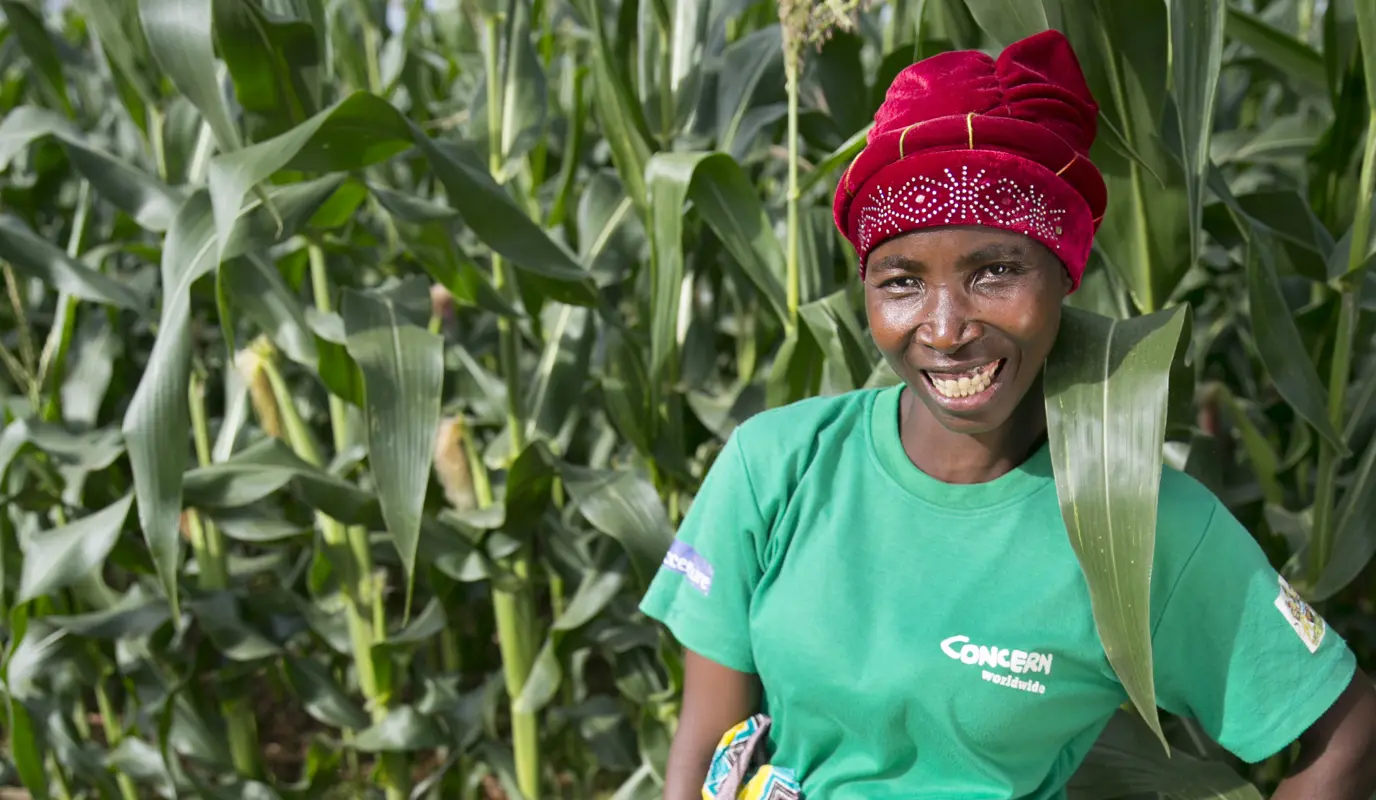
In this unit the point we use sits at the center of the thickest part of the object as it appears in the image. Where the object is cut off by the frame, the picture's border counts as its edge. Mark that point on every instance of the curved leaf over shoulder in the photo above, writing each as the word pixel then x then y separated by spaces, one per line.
pixel 1107 388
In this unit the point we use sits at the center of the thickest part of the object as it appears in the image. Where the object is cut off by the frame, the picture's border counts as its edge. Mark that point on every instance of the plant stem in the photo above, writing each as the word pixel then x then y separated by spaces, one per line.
pixel 514 609
pixel 371 42
pixel 1329 459
pixel 211 559
pixel 114 734
pixel 1349 310
pixel 53 360
pixel 794 289
pixel 349 551
pixel 209 546
pixel 320 287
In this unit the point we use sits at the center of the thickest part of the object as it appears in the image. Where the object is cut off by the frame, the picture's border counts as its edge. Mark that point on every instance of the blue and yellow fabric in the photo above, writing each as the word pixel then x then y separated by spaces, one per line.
pixel 736 772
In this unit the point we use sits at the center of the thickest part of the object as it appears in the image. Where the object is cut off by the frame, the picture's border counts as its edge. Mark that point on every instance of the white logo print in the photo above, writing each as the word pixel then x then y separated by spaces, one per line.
pixel 1016 661
pixel 1307 624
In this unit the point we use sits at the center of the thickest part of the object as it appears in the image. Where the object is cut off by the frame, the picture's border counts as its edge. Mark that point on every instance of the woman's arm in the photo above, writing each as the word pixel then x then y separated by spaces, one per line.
pixel 1338 752
pixel 714 699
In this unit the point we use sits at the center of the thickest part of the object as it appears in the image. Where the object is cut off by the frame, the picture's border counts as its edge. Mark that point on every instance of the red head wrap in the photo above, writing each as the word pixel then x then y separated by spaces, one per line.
pixel 964 139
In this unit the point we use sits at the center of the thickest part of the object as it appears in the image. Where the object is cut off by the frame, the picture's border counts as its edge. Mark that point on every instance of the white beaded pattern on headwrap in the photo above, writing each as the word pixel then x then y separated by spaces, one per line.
pixel 959 201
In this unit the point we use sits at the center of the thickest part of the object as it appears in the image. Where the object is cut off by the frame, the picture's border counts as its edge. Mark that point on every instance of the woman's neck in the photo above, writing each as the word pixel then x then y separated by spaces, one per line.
pixel 953 457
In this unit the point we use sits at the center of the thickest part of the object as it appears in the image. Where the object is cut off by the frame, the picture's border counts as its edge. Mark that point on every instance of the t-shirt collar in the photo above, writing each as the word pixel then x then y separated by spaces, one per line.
pixel 1030 476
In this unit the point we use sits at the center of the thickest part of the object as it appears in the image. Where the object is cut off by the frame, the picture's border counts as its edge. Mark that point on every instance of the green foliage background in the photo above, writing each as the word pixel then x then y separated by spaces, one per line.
pixel 359 359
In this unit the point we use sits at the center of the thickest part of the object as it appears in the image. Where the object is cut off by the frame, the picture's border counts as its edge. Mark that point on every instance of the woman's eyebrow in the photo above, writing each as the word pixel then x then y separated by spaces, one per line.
pixel 897 262
pixel 993 252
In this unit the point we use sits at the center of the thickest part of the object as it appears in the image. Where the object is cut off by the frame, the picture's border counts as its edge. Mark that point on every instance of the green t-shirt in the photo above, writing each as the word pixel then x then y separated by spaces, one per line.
pixel 921 639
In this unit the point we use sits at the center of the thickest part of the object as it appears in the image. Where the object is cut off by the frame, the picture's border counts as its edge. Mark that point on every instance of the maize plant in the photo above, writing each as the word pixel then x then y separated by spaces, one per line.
pixel 360 357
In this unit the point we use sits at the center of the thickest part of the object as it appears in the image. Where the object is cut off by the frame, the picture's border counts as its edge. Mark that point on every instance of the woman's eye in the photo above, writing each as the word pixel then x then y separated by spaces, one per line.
pixel 1000 270
pixel 903 282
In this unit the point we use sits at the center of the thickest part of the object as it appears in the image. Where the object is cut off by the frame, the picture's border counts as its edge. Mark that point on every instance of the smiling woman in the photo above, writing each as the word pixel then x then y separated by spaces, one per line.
pixel 891 604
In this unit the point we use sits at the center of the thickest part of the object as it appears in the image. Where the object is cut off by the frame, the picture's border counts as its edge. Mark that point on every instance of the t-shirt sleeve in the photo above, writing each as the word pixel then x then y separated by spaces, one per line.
pixel 703 588
pixel 1240 652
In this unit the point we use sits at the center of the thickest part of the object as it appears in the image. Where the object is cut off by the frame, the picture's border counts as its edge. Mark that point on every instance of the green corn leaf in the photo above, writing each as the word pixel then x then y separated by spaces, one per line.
pixel 274 63
pixel 359 131
pixel 626 390
pixel 1366 31
pixel 834 327
pixel 626 507
pixel 256 289
pixel 157 421
pixel 1007 21
pixel 36 257
pixel 321 696
pixel 1265 461
pixel 133 616
pixel 403 375
pixel 57 558
pixel 594 593
pixel 722 194
pixel 628 136
pixel 1197 47
pixel 1107 387
pixel 179 38
pixel 1354 538
pixel 523 89
pixel 1291 56
pixel 116 23
pixel 220 617
pixel 561 372
pixel 796 371
pixel 148 200
pixel 667 176
pixel 836 160
pixel 1122 46
pixel 38 45
pixel 543 681
pixel 27 750
pixel 362 130
pixel 1279 343
pixel 72 452
pixel 750 85
pixel 403 730
pixel 261 469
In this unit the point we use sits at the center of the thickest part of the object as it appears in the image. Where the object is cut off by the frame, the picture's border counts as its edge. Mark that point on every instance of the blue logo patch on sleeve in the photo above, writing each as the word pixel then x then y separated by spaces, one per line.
pixel 686 561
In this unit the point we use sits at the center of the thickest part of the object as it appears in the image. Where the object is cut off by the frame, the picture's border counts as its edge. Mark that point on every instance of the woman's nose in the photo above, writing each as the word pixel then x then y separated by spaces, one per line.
pixel 945 325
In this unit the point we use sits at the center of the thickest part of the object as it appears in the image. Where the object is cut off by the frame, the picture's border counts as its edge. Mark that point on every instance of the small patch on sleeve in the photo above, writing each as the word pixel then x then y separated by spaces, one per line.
pixel 1308 625
pixel 686 561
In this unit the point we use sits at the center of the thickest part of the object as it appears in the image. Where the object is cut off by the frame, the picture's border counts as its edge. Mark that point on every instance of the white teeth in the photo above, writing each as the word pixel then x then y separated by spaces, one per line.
pixel 966 385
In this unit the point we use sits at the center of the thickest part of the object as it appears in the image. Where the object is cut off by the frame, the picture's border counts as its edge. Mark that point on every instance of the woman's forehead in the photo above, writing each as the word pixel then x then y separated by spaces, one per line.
pixel 953 245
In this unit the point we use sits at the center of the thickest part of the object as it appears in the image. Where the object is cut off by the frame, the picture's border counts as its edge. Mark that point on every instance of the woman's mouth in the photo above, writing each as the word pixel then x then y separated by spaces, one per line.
pixel 965 390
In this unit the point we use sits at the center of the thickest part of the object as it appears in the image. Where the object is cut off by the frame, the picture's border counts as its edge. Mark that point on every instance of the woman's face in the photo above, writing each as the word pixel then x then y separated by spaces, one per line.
pixel 966 316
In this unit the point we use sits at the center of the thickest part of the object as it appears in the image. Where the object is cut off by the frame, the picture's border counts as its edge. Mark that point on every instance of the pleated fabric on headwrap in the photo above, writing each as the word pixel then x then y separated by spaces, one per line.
pixel 966 139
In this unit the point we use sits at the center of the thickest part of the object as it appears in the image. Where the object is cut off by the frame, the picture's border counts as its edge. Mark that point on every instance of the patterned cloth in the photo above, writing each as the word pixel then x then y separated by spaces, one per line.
pixel 739 751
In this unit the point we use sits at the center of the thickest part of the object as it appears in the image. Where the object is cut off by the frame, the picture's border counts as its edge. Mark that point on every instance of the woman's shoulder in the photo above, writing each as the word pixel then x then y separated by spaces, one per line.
pixel 803 425
pixel 1186 512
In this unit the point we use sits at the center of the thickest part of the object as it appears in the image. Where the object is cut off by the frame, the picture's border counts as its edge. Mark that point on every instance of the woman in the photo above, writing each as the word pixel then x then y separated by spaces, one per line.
pixel 886 573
